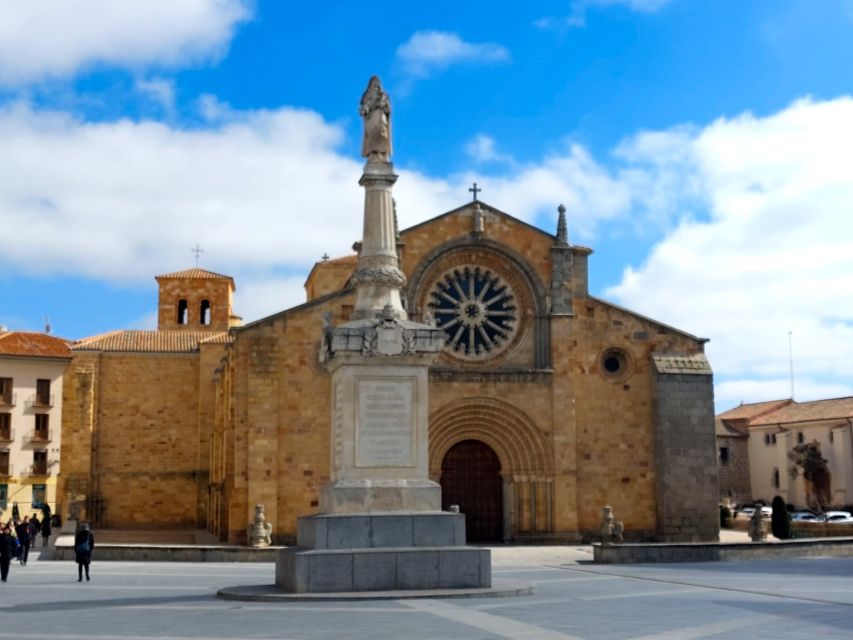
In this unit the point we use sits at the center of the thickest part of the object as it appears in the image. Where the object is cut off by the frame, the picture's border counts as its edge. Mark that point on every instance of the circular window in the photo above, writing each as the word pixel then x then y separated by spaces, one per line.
pixel 477 310
pixel 615 365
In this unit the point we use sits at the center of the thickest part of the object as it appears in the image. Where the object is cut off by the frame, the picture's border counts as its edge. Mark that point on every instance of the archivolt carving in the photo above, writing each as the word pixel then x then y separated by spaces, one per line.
pixel 523 449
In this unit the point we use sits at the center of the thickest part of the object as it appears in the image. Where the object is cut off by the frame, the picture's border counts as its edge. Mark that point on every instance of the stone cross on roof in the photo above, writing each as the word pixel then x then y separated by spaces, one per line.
pixel 475 190
pixel 197 250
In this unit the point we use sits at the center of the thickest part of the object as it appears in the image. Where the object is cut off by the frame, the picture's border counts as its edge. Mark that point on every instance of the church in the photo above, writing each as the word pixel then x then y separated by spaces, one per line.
pixel 546 403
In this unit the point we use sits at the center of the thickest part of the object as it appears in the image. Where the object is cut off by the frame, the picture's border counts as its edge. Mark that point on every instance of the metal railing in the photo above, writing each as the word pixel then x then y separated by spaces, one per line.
pixel 37 437
pixel 8 400
pixel 39 401
pixel 36 470
pixel 7 435
pixel 7 471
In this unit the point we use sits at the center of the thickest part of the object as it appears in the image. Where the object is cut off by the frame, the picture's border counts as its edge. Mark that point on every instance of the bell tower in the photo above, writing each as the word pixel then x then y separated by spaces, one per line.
pixel 196 299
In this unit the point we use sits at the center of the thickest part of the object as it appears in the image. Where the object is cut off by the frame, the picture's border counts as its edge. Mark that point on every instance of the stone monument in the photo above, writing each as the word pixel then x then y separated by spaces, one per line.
pixel 380 525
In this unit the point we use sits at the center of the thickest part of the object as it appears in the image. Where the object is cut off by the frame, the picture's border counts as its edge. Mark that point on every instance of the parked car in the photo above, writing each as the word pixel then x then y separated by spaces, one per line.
pixel 838 517
pixel 747 512
pixel 806 516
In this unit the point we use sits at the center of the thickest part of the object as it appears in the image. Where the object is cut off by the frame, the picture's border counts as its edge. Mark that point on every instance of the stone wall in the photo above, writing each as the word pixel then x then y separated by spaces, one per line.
pixel 734 472
pixel 136 420
pixel 687 482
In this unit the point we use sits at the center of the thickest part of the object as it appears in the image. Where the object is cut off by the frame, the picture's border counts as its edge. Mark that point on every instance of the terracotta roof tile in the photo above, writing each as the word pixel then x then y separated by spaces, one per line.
pixel 350 259
pixel 29 344
pixel 169 341
pixel 195 272
pixel 834 408
pixel 753 410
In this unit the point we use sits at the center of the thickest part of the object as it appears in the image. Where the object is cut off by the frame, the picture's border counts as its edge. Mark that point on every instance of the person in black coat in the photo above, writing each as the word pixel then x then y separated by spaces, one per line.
pixel 23 532
pixel 84 543
pixel 7 551
pixel 45 532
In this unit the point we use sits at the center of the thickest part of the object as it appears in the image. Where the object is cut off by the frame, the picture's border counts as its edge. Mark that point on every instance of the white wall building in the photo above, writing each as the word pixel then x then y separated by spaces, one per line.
pixel 775 428
pixel 31 370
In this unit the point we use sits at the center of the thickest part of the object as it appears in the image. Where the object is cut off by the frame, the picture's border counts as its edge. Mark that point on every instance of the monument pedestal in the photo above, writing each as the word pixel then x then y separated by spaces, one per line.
pixel 380 525
pixel 382 551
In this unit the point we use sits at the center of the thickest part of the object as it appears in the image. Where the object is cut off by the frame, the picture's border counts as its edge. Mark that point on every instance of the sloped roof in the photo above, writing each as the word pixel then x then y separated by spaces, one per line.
pixel 754 409
pixel 194 273
pixel 350 259
pixel 167 341
pixel 833 408
pixel 30 344
pixel 486 208
pixel 725 428
pixel 678 363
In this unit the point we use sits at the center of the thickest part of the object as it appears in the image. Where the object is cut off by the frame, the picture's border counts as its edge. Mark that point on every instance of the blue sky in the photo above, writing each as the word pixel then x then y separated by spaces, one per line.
pixel 702 148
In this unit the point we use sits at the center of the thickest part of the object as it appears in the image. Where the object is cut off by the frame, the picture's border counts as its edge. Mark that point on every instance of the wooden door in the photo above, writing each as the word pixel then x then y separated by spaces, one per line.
pixel 471 478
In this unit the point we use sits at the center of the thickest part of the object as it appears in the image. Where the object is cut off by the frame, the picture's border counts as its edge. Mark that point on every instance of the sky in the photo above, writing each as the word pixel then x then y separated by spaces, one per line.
pixel 703 149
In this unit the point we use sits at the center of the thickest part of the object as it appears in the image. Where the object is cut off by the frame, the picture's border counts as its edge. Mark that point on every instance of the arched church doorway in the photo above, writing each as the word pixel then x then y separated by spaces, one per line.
pixel 471 478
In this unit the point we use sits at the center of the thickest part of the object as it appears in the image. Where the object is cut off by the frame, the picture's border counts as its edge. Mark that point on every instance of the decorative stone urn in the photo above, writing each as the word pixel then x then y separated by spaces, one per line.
pixel 260 531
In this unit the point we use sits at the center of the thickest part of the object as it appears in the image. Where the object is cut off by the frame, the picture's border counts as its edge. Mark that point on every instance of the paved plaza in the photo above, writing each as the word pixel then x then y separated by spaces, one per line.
pixel 763 599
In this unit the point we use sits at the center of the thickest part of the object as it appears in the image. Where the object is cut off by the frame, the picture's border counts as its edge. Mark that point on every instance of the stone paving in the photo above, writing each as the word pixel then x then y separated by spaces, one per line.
pixel 810 598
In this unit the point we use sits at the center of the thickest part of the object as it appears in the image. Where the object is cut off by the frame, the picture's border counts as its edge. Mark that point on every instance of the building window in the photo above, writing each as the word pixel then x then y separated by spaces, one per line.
pixel 39 495
pixel 776 478
pixel 4 496
pixel 183 312
pixel 5 426
pixel 42 428
pixel 6 391
pixel 800 437
pixel 204 312
pixel 766 438
pixel 43 393
pixel 769 438
pixel 831 437
pixel 4 464
pixel 40 462
pixel 724 455
pixel 772 438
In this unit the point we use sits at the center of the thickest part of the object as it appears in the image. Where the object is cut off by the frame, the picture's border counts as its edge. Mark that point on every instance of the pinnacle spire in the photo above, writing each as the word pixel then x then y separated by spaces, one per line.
pixel 562 227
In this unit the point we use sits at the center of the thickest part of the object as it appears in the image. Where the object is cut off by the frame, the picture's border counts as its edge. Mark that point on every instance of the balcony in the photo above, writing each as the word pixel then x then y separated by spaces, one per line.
pixel 7 435
pixel 6 471
pixel 39 437
pixel 36 470
pixel 8 400
pixel 39 401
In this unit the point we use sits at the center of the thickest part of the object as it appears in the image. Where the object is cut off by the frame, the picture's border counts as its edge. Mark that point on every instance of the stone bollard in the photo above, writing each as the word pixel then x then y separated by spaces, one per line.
pixel 260 531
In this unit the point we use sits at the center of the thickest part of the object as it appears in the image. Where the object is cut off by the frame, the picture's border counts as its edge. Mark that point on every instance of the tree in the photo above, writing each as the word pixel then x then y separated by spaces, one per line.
pixel 808 460
pixel 781 519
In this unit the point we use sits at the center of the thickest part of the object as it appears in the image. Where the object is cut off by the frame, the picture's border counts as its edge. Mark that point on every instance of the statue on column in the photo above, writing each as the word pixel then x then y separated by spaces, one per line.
pixel 375 108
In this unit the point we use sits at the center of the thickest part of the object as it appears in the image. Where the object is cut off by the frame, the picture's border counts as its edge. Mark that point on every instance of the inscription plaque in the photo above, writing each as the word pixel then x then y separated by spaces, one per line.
pixel 384 423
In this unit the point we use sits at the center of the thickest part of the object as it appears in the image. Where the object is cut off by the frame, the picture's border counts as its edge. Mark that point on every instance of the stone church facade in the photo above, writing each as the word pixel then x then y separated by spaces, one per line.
pixel 547 404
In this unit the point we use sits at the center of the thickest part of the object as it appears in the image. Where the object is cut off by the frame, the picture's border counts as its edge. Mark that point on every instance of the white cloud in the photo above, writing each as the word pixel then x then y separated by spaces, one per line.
pixel 774 253
pixel 265 193
pixel 160 91
pixel 56 38
pixel 429 51
pixel 579 8
pixel 481 148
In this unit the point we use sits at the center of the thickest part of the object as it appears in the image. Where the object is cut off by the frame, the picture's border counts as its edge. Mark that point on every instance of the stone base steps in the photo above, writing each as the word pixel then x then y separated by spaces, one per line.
pixel 716 551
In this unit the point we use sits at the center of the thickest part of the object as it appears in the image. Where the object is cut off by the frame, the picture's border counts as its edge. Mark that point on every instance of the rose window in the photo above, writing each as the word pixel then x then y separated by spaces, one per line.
pixel 477 311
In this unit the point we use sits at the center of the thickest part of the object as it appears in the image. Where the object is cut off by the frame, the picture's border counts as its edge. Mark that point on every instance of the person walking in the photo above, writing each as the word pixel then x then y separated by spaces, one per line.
pixel 23 532
pixel 45 532
pixel 7 550
pixel 84 543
